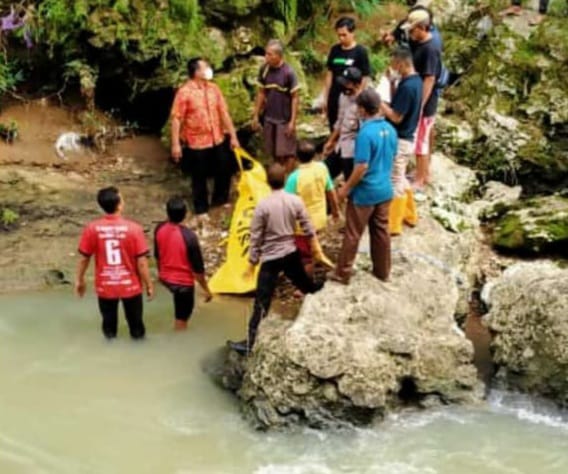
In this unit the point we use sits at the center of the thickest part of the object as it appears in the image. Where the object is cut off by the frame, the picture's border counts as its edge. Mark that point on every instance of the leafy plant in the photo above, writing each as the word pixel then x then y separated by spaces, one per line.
pixel 9 217
pixel 10 75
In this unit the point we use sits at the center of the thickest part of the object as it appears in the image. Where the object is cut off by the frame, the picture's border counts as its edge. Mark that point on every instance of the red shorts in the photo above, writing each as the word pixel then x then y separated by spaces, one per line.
pixel 422 145
pixel 304 246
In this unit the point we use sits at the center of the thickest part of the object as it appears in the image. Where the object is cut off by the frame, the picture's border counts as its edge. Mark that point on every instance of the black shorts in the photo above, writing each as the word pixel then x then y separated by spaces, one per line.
pixel 133 310
pixel 184 300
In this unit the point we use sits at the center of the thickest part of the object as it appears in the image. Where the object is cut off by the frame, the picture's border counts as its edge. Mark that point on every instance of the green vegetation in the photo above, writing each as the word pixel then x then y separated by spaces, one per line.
pixel 9 218
pixel 10 74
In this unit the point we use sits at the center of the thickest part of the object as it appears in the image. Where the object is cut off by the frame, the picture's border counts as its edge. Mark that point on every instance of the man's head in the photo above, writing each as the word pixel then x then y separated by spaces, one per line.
pixel 368 103
pixel 306 151
pixel 401 61
pixel 110 200
pixel 417 24
pixel 176 209
pixel 276 176
pixel 351 81
pixel 345 29
pixel 274 53
pixel 198 68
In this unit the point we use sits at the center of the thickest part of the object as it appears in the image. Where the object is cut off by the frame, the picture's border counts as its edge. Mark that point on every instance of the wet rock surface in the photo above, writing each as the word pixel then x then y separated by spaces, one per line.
pixel 529 320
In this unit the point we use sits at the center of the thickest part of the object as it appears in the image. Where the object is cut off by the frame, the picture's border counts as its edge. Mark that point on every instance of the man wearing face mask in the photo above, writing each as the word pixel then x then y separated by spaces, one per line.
pixel 404 113
pixel 340 147
pixel 278 101
pixel 200 120
pixel 369 191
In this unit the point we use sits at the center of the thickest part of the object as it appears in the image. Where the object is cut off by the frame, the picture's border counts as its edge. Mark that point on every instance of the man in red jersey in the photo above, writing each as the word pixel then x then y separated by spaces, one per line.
pixel 180 262
pixel 121 265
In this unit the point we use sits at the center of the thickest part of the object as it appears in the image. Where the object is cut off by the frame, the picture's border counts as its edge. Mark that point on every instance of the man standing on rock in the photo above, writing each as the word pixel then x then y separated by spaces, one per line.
pixel 369 191
pixel 273 244
pixel 403 113
pixel 277 102
pixel 200 120
pixel 340 147
pixel 427 57
pixel 347 53
pixel 121 265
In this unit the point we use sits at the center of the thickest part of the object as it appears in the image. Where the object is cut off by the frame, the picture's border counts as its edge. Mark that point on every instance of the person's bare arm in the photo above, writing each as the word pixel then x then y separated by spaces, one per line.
pixel 144 272
pixel 82 266
pixel 228 121
pixel 428 83
pixel 332 199
pixel 391 114
pixel 357 175
pixel 326 89
pixel 294 114
pixel 366 81
pixel 176 144
pixel 200 277
pixel 258 107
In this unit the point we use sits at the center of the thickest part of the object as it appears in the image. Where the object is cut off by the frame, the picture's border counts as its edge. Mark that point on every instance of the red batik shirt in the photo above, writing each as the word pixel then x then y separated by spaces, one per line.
pixel 200 108
pixel 116 244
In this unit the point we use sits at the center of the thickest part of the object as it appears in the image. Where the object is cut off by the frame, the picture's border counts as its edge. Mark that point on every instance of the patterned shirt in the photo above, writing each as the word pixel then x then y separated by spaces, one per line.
pixel 200 108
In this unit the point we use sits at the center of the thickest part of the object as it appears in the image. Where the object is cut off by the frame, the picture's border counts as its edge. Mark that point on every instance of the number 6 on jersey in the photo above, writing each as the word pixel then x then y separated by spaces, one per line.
pixel 112 250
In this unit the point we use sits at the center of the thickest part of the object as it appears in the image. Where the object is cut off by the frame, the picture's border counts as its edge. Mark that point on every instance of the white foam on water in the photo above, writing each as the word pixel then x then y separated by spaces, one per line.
pixel 529 409
pixel 294 468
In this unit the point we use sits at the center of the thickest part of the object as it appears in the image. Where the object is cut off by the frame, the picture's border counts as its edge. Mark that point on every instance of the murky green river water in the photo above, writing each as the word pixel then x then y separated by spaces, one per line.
pixel 70 403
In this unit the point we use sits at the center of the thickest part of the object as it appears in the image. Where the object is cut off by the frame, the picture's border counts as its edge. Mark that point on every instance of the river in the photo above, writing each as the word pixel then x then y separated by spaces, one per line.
pixel 71 403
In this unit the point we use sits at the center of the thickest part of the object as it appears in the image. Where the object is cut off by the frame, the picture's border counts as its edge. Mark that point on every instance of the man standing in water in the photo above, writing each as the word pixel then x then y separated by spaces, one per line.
pixel 369 191
pixel 277 101
pixel 273 244
pixel 200 120
pixel 347 53
pixel 121 265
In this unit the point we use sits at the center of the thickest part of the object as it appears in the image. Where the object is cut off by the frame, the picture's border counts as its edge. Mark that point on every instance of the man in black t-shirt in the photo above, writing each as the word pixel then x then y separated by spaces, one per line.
pixel 347 53
pixel 427 57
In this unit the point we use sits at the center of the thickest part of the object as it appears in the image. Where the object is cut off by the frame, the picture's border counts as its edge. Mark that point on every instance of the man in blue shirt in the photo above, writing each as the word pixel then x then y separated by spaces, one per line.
pixel 404 114
pixel 369 190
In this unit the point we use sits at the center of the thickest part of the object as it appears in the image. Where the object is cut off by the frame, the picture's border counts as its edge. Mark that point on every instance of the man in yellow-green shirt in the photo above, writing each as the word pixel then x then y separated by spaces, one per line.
pixel 312 182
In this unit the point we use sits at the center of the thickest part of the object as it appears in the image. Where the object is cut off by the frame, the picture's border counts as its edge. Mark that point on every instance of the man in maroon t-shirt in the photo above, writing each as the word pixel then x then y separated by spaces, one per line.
pixel 180 262
pixel 121 265
pixel 277 101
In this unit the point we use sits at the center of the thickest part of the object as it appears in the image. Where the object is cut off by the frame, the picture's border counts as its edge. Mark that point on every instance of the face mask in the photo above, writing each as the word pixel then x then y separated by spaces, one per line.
pixel 394 75
pixel 208 75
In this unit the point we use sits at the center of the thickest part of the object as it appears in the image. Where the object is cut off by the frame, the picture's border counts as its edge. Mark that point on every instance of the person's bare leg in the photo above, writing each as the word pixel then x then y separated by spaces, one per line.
pixel 180 325
pixel 428 178
pixel 421 175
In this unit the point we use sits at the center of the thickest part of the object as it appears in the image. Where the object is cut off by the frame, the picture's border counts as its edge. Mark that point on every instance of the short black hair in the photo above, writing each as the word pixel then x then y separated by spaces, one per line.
pixel 276 176
pixel 306 151
pixel 109 199
pixel 176 209
pixel 370 101
pixel 345 22
pixel 402 53
pixel 193 66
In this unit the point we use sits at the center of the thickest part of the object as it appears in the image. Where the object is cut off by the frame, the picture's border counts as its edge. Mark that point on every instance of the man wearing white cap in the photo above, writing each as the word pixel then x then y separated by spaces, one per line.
pixel 427 57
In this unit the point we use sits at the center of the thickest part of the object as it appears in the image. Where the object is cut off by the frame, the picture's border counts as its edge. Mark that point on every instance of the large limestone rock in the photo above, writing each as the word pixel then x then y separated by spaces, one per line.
pixel 529 320
pixel 358 352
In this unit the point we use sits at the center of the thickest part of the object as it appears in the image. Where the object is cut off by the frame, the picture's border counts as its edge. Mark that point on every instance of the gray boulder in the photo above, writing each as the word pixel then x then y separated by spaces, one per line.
pixel 359 352
pixel 529 320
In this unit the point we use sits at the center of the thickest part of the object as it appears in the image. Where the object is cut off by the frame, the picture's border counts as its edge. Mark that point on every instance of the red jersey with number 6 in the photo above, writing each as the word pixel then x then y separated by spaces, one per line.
pixel 117 244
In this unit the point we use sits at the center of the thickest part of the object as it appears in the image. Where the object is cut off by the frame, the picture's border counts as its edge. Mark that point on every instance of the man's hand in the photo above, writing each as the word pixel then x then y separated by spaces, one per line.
pixel 336 217
pixel 328 148
pixel 150 292
pixel 343 193
pixel 290 129
pixel 249 272
pixel 80 288
pixel 255 125
pixel 235 142
pixel 208 296
pixel 176 152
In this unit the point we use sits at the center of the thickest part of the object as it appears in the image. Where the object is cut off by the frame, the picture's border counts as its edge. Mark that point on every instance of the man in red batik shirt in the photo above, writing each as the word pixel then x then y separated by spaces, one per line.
pixel 121 265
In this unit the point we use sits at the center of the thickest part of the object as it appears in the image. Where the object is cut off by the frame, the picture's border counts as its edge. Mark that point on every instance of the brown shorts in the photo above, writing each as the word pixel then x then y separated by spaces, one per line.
pixel 276 143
